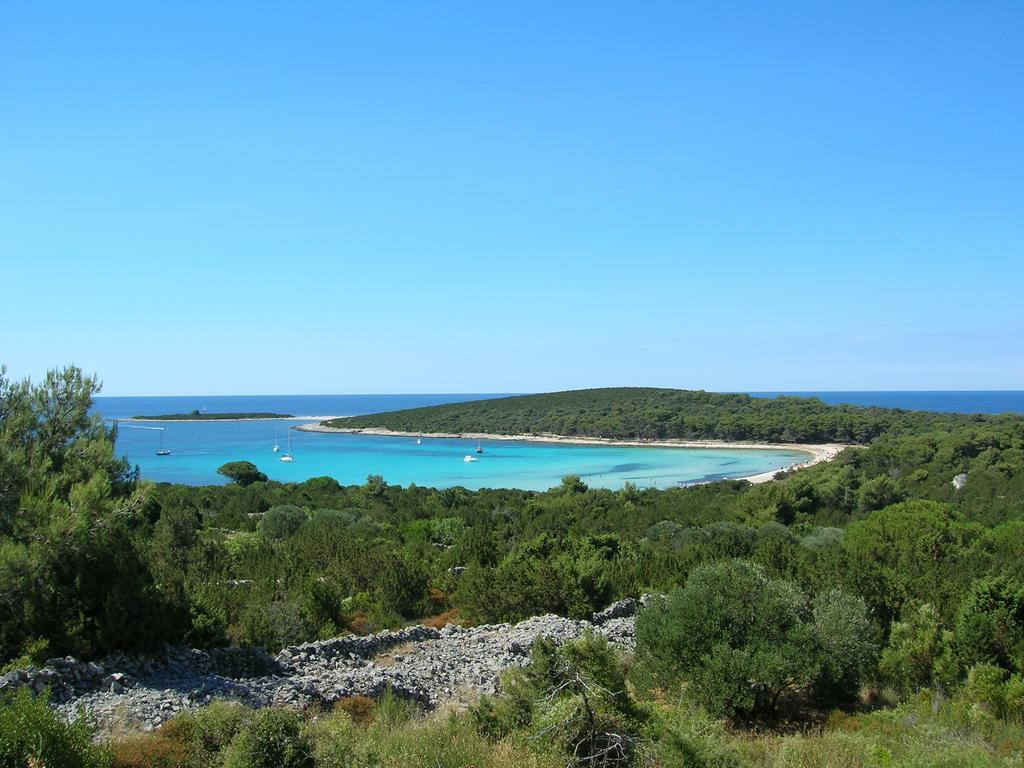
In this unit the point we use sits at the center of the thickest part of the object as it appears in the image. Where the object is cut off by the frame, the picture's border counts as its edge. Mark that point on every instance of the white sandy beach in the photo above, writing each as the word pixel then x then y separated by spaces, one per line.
pixel 816 452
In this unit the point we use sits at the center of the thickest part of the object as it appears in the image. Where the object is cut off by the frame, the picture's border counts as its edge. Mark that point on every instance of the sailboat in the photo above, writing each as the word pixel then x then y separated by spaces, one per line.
pixel 479 448
pixel 276 446
pixel 288 456
pixel 161 451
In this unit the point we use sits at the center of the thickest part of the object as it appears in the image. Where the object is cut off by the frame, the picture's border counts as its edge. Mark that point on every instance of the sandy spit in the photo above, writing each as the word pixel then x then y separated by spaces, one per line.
pixel 816 452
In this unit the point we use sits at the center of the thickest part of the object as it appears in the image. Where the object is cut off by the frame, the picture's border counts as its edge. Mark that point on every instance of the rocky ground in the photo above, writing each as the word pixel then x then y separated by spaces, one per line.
pixel 431 666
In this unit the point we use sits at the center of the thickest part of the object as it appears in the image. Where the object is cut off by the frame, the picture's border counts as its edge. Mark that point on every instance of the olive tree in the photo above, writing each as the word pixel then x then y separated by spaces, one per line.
pixel 740 642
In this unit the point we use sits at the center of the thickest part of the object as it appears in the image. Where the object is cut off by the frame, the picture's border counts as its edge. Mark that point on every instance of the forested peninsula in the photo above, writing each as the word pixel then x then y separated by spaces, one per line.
pixel 642 413
pixel 867 611
pixel 204 416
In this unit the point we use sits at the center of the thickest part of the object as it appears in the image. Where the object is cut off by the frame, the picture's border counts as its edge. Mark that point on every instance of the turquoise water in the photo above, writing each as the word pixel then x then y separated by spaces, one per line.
pixel 435 462
pixel 197 449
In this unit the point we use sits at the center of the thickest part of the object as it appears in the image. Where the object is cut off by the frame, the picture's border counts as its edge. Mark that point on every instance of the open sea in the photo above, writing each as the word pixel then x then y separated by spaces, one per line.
pixel 198 448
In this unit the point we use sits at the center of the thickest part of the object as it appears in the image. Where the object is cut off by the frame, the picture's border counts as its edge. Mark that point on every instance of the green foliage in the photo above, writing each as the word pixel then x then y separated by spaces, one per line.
pixel 242 472
pixel 989 626
pixel 92 560
pixel 34 654
pixel 915 644
pixel 910 552
pixel 985 687
pixel 33 734
pixel 742 641
pixel 335 739
pixel 72 566
pixel 561 693
pixel 687 736
pixel 847 644
pixel 205 733
pixel 542 576
pixel 648 413
pixel 879 492
pixel 281 521
pixel 447 530
pixel 574 697
pixel 272 738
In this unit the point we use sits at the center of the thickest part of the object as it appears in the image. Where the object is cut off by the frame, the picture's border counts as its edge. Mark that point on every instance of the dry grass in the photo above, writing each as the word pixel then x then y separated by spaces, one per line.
pixel 148 751
pixel 360 708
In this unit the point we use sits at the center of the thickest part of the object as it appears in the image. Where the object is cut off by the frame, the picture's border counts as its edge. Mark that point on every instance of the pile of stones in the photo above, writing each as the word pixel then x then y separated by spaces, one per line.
pixel 424 664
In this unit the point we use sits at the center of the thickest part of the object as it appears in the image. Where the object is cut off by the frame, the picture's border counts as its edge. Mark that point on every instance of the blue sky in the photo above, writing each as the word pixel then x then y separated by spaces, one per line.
pixel 219 198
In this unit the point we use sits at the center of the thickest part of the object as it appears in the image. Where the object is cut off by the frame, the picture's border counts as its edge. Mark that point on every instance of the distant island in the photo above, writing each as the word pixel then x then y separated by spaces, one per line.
pixel 203 416
pixel 653 414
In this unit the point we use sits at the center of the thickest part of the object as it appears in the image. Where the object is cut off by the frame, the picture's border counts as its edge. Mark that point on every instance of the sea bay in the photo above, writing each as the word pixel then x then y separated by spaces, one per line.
pixel 198 448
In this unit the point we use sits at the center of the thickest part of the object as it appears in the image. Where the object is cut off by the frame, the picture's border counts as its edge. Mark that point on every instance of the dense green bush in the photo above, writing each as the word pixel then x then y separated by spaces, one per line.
pixel 206 732
pixel 910 552
pixel 281 521
pixel 915 644
pixel 574 697
pixel 31 734
pixel 272 738
pixel 742 641
pixel 989 626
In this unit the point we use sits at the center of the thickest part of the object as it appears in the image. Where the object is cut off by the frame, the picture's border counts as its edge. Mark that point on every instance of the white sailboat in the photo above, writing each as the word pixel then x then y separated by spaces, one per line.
pixel 288 456
pixel 161 451
pixel 277 447
pixel 479 448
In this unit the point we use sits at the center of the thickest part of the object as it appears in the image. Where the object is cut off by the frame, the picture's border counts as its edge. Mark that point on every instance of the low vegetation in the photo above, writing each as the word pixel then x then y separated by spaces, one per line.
pixel 865 611
pixel 575 705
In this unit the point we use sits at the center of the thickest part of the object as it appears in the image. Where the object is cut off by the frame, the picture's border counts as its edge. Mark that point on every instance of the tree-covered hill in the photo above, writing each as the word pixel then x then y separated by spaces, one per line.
pixel 651 413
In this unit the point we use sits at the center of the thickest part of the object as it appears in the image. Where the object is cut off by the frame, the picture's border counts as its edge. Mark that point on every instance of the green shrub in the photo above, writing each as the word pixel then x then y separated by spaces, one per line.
pixel 32 734
pixel 334 738
pixel 985 687
pixel 393 711
pixel 447 530
pixel 33 654
pixel 915 643
pixel 273 738
pixel 207 731
pixel 689 737
pixel 573 697
pixel 280 522
pixel 743 641
pixel 1013 699
pixel 989 626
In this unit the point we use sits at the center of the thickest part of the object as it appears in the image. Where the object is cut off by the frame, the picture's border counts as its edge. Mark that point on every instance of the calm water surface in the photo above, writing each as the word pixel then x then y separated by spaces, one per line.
pixel 197 449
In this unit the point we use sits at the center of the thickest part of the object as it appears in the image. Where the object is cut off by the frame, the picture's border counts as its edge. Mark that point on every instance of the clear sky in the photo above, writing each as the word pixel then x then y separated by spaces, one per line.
pixel 221 198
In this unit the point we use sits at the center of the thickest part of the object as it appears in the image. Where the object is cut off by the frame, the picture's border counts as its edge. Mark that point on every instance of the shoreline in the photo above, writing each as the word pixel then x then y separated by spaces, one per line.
pixel 818 452
pixel 205 421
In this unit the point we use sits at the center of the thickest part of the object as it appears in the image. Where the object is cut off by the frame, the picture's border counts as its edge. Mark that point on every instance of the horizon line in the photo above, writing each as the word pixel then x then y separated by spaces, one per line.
pixel 552 391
